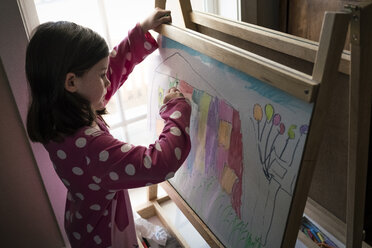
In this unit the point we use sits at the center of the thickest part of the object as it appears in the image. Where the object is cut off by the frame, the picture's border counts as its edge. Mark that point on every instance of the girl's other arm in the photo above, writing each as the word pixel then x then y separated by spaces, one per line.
pixel 121 165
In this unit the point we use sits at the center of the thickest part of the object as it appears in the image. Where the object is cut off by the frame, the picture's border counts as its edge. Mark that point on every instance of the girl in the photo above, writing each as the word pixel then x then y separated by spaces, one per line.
pixel 72 76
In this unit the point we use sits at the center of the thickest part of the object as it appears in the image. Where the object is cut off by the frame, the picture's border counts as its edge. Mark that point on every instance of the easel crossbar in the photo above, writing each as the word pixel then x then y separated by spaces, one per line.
pixel 280 76
pixel 285 43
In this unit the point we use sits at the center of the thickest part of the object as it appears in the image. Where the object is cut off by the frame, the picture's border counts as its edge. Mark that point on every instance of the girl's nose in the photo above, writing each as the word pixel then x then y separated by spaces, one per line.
pixel 107 82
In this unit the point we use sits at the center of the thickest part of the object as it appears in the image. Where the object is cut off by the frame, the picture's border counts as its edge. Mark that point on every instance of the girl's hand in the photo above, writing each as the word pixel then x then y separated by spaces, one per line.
pixel 173 93
pixel 159 16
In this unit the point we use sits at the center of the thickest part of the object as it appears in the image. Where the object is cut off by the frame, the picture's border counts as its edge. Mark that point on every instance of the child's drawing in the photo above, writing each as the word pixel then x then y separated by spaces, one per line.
pixel 247 142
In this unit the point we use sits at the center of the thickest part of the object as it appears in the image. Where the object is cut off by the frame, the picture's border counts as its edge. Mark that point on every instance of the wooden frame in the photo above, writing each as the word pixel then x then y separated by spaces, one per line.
pixel 274 40
pixel 359 120
pixel 325 68
pixel 314 88
pixel 294 82
pixel 153 208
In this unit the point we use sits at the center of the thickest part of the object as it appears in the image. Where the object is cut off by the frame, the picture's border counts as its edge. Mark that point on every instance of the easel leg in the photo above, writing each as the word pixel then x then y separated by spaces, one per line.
pixel 359 121
pixel 152 192
pixel 325 70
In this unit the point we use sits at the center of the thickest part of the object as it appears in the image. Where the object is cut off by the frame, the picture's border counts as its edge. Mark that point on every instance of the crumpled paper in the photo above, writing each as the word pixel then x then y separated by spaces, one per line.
pixel 149 230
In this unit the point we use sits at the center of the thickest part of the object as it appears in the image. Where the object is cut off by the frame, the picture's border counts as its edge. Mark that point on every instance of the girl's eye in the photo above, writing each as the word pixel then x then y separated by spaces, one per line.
pixel 103 75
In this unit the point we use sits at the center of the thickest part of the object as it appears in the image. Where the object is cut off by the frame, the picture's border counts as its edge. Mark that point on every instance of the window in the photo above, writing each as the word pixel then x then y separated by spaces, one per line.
pixel 112 19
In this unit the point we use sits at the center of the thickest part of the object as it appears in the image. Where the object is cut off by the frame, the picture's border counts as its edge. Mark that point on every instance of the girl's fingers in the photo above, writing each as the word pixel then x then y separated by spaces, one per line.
pixel 165 19
pixel 162 12
pixel 173 89
pixel 172 94
pixel 163 16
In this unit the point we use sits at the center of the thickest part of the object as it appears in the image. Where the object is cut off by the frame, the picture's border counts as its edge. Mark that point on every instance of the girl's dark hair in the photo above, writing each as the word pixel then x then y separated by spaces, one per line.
pixel 55 49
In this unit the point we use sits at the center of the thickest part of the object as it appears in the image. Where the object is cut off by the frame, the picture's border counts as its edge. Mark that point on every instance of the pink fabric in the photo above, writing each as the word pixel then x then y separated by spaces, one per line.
pixel 97 169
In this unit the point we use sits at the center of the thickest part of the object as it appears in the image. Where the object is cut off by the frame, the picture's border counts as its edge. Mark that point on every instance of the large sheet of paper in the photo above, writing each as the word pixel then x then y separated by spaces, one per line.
pixel 247 143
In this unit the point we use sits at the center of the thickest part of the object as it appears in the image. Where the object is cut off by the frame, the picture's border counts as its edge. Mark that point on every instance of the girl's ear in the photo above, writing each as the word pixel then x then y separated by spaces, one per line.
pixel 70 85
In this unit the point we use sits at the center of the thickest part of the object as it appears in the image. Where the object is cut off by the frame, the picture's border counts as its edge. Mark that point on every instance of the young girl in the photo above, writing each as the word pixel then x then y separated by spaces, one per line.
pixel 72 76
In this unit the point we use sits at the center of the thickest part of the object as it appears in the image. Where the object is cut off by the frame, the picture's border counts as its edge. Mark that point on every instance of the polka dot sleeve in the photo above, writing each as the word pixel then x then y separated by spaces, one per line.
pixel 124 57
pixel 120 165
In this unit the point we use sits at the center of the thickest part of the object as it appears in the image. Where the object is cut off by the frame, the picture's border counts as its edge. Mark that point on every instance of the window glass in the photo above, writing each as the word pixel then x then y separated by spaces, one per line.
pixel 112 19
pixel 140 132
pixel 123 15
pixel 114 116
pixel 119 133
pixel 83 12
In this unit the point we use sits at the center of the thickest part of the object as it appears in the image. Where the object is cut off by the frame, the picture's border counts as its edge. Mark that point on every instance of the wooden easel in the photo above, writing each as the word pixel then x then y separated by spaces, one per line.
pixel 308 71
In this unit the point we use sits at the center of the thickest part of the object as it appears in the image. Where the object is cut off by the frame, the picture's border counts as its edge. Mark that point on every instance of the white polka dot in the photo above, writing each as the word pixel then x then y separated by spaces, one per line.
pixel 105 213
pixel 67 215
pixel 147 162
pixel 187 130
pixel 96 179
pixel 130 170
pixel 81 142
pixel 110 70
pixel 175 131
pixel 78 215
pixel 61 154
pixel 113 53
pixel 113 176
pixel 95 207
pixel 109 225
pixel 124 72
pixel 176 114
pixel 94 187
pixel 163 108
pixel 129 56
pixel 158 147
pixel 88 160
pixel 169 175
pixel 77 171
pixel 90 131
pixel 110 196
pixel 69 196
pixel 97 239
pixel 89 228
pixel 126 147
pixel 178 153
pixel 103 156
pixel 147 45
pixel 67 183
pixel 76 235
pixel 80 196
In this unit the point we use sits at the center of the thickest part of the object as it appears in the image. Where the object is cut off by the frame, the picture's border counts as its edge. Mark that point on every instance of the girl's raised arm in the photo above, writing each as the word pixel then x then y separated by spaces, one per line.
pixel 133 49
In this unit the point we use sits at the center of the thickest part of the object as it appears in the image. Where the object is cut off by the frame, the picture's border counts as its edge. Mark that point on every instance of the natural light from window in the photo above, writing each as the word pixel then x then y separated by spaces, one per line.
pixel 112 19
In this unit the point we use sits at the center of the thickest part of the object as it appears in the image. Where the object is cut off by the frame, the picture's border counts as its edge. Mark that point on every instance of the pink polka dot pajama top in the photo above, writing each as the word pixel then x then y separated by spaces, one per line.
pixel 97 169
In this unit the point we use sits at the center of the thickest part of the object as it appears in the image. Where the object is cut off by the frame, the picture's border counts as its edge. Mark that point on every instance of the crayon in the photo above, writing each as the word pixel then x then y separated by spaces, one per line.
pixel 146 242
pixel 320 237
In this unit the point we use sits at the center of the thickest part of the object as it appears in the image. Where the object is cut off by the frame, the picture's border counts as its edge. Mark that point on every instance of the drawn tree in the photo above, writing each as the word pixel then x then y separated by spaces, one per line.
pixel 276 153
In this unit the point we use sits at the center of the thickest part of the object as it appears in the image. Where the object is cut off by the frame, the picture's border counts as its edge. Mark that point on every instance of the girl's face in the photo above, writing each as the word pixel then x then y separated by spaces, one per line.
pixel 92 85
